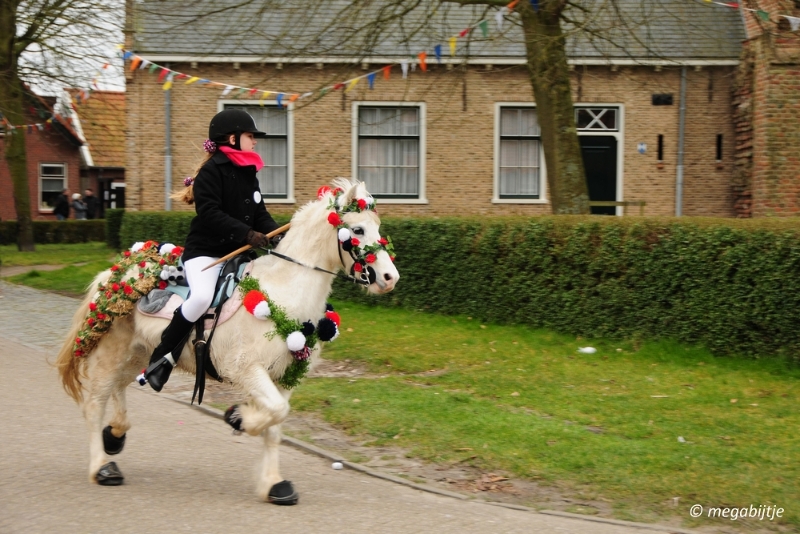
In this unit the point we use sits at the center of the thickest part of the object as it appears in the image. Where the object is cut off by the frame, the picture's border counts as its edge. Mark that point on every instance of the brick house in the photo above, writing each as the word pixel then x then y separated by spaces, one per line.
pixel 53 158
pixel 461 138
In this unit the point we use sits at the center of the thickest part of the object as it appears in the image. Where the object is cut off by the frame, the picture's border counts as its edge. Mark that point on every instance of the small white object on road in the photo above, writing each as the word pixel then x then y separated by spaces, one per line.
pixel 587 350
pixel 337 465
pixel 681 440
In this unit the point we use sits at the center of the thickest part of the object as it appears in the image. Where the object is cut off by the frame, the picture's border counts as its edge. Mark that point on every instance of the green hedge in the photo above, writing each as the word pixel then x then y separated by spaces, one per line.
pixel 731 285
pixel 113 226
pixel 69 231
pixel 162 226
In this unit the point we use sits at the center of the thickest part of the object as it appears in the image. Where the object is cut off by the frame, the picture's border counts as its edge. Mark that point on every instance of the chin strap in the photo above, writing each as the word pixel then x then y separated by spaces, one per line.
pixel 363 279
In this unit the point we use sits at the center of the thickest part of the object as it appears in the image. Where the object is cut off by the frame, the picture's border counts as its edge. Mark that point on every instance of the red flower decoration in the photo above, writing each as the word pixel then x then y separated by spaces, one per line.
pixel 322 190
pixel 115 268
pixel 253 299
pixel 338 190
pixel 141 275
pixel 101 316
pixel 78 353
pixel 355 241
pixel 90 321
pixel 333 219
pixel 162 261
pixel 92 306
pixel 162 285
pixel 333 316
pixel 177 251
pixel 383 241
pixel 142 264
pixel 115 287
pixel 78 341
pixel 127 253
pixel 370 258
pixel 362 204
pixel 357 267
pixel 108 294
pixel 128 290
pixel 391 258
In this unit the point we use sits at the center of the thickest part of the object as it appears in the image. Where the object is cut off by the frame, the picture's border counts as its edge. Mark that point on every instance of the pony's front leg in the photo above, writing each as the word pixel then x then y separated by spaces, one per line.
pixel 271 486
pixel 268 405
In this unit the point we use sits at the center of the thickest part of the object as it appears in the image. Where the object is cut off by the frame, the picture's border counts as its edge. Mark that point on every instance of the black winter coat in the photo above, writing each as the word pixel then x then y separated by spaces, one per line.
pixel 228 203
pixel 62 206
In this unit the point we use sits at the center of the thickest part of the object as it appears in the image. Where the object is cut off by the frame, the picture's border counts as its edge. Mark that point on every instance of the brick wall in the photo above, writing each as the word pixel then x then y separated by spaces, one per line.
pixel 460 130
pixel 47 146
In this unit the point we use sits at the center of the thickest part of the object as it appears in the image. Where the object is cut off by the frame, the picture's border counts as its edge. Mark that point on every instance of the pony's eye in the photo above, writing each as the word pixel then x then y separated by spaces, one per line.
pixel 358 230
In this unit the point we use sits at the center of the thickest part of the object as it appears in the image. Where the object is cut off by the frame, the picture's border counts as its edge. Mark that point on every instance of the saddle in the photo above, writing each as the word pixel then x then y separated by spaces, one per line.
pixel 163 303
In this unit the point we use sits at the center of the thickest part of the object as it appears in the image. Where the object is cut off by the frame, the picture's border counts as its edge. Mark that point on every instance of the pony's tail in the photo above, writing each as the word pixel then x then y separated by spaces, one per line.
pixel 69 367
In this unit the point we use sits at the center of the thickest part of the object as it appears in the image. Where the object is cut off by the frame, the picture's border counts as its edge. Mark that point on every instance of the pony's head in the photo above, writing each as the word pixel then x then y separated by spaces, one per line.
pixel 364 253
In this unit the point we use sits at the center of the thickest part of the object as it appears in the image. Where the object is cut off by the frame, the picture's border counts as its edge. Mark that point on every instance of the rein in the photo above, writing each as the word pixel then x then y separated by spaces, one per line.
pixel 362 281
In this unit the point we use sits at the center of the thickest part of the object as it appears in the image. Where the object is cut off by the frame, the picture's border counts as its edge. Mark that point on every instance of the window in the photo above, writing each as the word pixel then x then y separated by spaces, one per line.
pixel 52 180
pixel 389 150
pixel 519 173
pixel 596 119
pixel 275 178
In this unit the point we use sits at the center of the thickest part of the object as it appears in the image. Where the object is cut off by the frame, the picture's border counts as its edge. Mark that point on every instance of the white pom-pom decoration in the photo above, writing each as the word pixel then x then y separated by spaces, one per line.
pixel 139 245
pixel 166 248
pixel 296 341
pixel 165 274
pixel 344 234
pixel 261 311
pixel 369 200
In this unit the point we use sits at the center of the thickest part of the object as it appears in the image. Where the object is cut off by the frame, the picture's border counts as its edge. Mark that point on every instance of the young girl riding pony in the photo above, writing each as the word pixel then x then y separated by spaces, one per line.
pixel 230 214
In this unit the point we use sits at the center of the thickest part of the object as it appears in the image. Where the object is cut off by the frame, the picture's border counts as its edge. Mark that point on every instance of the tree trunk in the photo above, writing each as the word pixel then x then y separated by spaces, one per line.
pixel 549 74
pixel 11 105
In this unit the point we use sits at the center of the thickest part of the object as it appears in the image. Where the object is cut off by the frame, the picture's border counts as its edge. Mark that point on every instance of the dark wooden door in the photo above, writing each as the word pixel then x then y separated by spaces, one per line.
pixel 600 162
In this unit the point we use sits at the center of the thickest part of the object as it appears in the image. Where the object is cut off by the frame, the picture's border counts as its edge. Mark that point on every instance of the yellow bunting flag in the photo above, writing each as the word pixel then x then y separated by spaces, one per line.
pixel 453 41
pixel 135 62
pixel 191 80
pixel 352 84
pixel 264 95
pixel 167 85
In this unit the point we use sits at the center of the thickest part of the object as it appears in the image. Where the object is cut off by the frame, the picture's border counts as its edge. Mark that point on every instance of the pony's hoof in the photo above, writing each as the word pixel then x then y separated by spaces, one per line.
pixel 234 418
pixel 283 493
pixel 111 443
pixel 110 475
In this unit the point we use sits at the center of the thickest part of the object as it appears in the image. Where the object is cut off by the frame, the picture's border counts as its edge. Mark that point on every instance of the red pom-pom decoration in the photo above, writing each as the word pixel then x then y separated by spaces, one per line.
pixel 333 219
pixel 333 316
pixel 252 299
pixel 357 267
pixel 322 191
pixel 370 258
pixel 362 204
pixel 355 242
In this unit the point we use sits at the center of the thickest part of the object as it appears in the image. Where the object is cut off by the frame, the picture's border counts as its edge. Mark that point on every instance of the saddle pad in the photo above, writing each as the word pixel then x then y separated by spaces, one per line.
pixel 227 311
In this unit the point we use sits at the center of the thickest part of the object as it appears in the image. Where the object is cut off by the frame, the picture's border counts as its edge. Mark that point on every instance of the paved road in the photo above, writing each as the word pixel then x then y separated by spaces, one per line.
pixel 184 470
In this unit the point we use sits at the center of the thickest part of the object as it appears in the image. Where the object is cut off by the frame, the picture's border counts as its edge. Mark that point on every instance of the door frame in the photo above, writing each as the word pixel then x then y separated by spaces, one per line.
pixel 619 134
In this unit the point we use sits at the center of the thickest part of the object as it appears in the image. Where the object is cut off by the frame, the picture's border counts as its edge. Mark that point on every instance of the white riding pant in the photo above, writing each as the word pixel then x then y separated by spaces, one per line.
pixel 201 284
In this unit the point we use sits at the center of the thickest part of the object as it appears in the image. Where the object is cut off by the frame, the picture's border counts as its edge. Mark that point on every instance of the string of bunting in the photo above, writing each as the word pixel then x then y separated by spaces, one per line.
pixel 794 22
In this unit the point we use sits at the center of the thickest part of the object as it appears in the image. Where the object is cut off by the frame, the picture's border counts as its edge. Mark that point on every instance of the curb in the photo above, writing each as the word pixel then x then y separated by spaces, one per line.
pixel 318 451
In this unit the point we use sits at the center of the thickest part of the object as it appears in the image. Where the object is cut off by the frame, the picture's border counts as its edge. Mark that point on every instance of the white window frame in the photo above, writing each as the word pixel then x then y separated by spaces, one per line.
pixel 543 198
pixel 290 197
pixel 64 180
pixel 422 198
pixel 620 136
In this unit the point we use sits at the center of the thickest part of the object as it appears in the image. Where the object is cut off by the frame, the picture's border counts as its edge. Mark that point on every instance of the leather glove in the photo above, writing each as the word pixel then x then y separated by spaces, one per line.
pixel 256 239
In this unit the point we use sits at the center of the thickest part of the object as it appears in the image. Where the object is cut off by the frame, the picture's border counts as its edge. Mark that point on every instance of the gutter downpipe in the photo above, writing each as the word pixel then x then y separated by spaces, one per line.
pixel 168 150
pixel 681 124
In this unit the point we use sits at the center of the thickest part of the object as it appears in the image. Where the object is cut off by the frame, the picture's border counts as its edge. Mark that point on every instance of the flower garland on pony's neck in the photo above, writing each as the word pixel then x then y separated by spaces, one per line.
pixel 362 254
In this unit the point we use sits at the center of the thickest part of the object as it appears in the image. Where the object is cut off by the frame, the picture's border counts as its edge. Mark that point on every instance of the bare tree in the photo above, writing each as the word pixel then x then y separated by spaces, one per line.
pixel 47 44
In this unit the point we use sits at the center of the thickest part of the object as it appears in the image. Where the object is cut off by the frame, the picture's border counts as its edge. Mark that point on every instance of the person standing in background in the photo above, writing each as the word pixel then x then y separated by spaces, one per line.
pixel 79 207
pixel 91 204
pixel 61 209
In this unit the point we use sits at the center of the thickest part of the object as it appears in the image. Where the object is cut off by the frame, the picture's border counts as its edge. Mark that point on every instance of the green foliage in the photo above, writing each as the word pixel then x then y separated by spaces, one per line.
pixel 113 226
pixel 56 254
pixel 70 231
pixel 731 285
pixel 71 280
pixel 161 226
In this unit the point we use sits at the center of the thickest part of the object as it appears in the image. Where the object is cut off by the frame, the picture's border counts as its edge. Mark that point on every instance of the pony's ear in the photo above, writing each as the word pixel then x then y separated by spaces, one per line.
pixel 348 196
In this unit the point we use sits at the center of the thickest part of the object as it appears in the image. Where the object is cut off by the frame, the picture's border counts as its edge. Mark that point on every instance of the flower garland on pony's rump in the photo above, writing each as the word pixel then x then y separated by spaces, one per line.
pixel 301 338
pixel 134 274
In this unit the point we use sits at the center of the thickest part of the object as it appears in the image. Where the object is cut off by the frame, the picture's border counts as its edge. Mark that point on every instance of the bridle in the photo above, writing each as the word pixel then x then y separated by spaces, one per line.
pixel 363 278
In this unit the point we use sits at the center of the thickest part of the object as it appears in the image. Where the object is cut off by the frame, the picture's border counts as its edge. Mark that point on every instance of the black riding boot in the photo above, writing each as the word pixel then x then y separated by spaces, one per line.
pixel 162 362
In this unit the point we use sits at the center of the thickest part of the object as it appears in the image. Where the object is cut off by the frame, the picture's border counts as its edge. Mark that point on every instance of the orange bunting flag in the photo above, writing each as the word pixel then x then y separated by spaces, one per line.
pixel 422 64
pixel 512 5
pixel 386 71
pixel 294 97
pixel 135 62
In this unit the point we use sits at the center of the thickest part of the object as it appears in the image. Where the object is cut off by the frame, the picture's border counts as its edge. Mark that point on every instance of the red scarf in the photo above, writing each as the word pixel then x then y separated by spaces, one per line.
pixel 242 159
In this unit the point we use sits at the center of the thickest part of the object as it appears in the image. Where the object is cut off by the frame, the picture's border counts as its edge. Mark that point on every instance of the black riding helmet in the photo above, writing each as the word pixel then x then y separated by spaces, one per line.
pixel 233 121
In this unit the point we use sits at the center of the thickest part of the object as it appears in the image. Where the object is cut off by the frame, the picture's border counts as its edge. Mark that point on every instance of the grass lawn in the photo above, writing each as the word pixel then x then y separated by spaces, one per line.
pixel 638 424
pixel 71 280
pixel 56 254
pixel 635 423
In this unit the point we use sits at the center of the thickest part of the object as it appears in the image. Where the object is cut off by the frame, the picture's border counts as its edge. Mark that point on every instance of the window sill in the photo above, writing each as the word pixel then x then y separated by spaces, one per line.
pixel 278 200
pixel 520 201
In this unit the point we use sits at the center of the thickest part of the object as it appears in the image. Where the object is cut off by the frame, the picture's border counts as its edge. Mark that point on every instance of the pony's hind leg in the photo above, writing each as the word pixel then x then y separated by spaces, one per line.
pixel 114 433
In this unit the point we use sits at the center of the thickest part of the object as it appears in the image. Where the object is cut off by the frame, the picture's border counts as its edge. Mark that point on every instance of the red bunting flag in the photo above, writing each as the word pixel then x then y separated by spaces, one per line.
pixel 163 74
pixel 338 86
pixel 463 33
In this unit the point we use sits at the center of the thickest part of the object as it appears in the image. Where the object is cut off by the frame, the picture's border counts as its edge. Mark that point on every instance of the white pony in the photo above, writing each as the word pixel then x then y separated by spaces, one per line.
pixel 240 351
